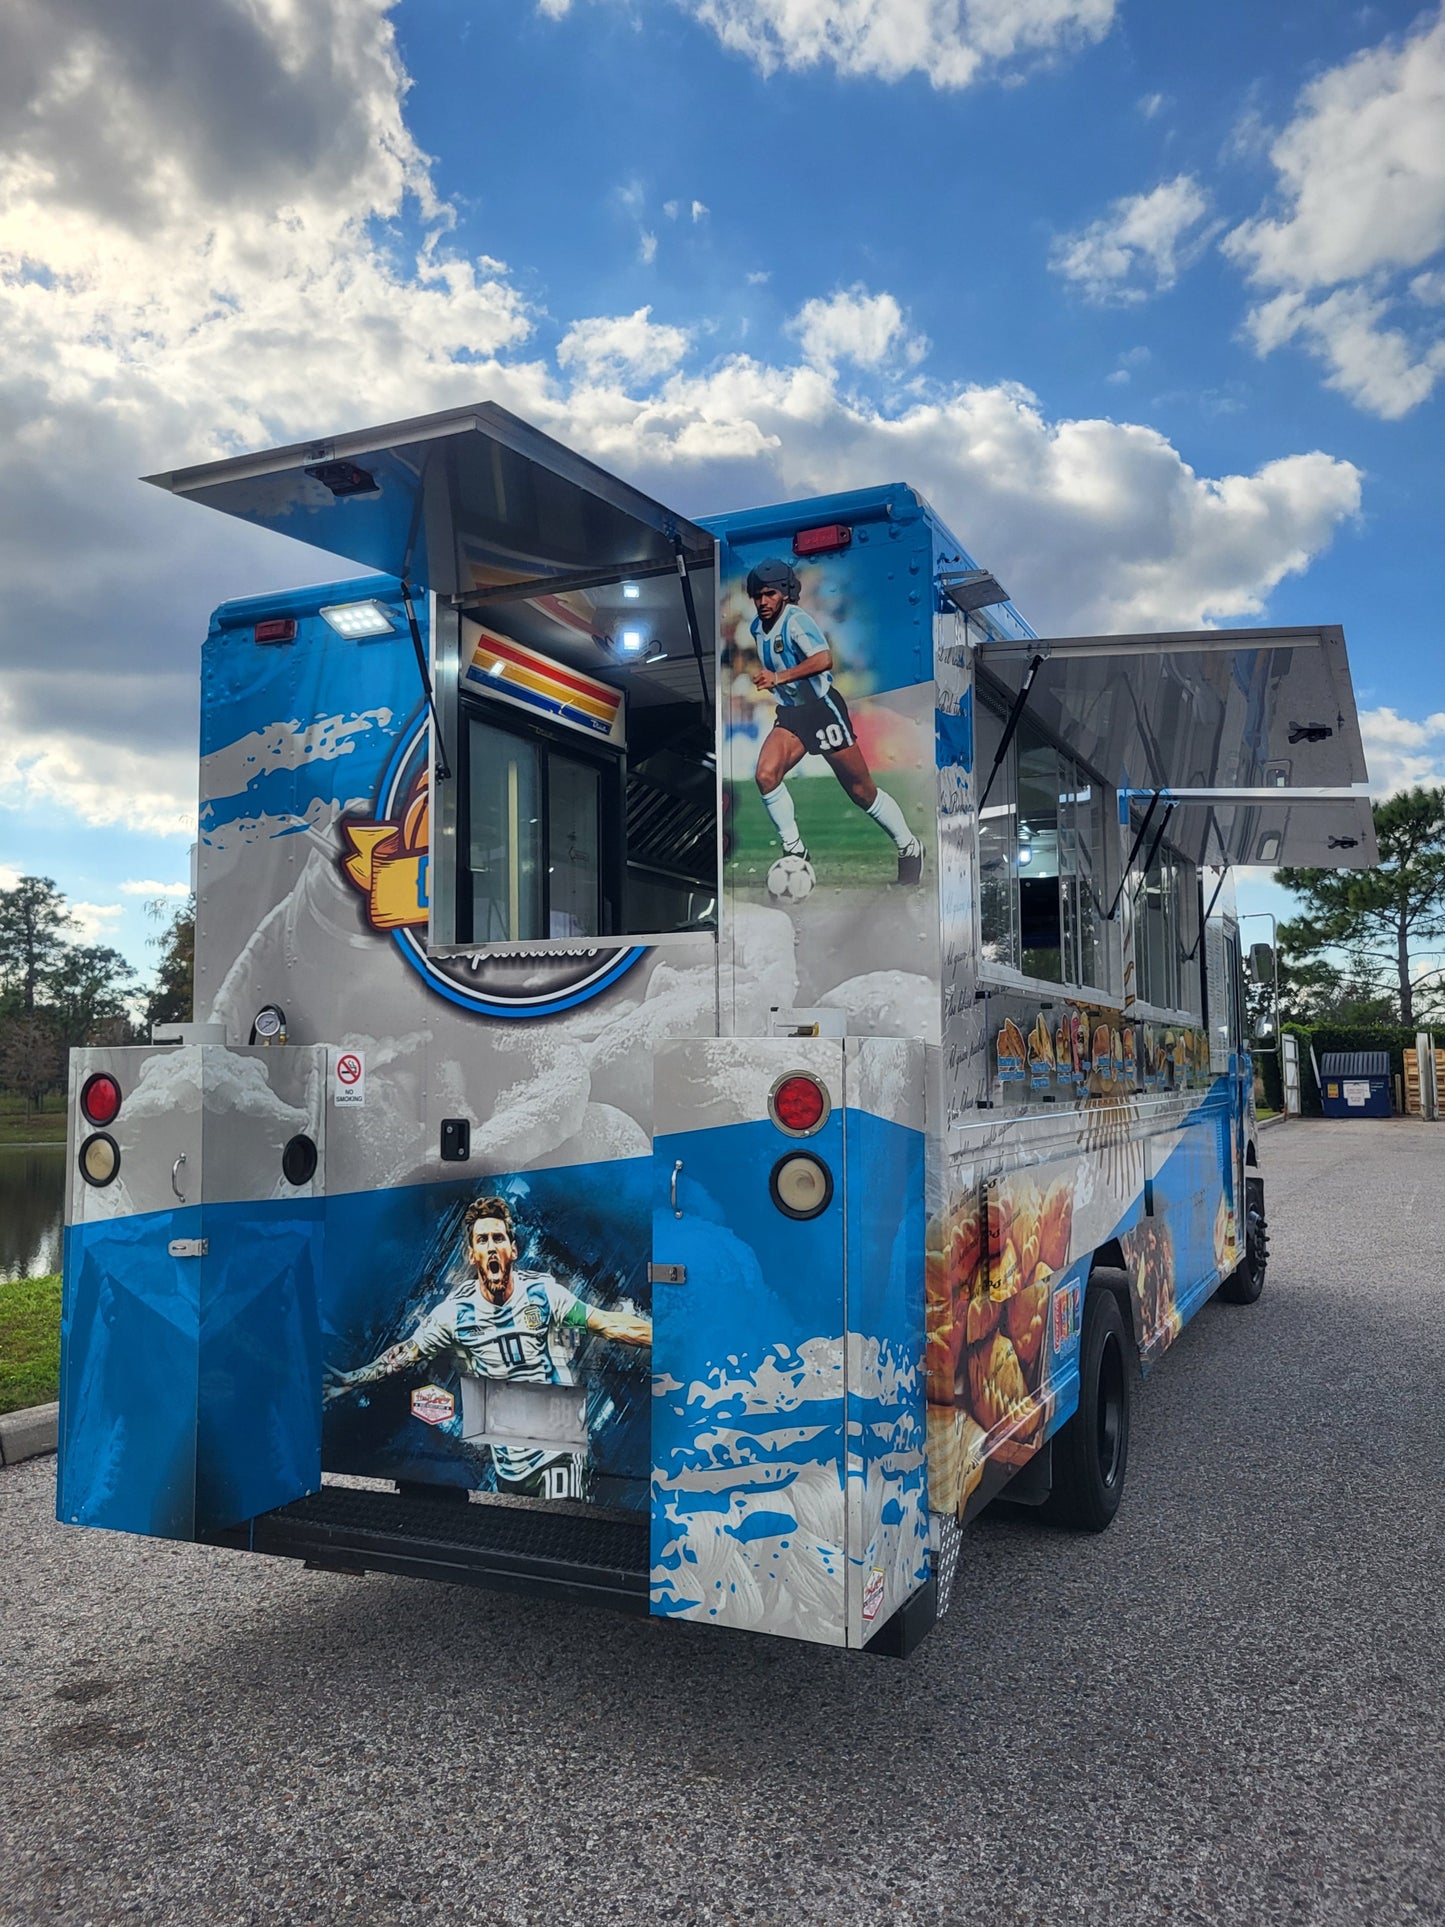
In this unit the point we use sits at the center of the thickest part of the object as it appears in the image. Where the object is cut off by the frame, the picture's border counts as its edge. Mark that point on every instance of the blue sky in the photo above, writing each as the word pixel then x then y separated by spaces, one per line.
pixel 1149 300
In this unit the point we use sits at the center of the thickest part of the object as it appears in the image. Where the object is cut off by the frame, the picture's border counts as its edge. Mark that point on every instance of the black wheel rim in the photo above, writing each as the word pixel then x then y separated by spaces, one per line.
pixel 1111 1411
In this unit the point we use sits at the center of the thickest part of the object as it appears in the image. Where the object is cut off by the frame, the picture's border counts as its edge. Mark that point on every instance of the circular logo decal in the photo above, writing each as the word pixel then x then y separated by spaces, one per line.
pixel 388 860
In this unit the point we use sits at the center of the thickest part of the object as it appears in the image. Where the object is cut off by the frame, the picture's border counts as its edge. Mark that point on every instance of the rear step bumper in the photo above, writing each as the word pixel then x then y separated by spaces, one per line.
pixel 548 1555
pixel 595 1562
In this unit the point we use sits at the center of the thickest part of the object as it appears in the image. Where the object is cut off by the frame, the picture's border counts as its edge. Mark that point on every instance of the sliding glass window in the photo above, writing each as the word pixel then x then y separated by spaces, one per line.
pixel 1042 863
pixel 533 839
pixel 1166 920
pixel 997 844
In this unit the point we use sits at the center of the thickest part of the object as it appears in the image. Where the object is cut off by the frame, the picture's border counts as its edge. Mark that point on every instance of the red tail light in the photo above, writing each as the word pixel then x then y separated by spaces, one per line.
pixel 799 1104
pixel 100 1099
pixel 277 629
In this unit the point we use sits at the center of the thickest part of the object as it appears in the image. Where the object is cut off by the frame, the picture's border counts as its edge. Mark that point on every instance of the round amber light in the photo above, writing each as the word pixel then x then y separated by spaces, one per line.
pixel 99 1159
pixel 799 1104
pixel 802 1185
pixel 100 1098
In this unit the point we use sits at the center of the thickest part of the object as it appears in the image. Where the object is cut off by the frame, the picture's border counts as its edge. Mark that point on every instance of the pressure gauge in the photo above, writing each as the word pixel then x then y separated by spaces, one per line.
pixel 268 1026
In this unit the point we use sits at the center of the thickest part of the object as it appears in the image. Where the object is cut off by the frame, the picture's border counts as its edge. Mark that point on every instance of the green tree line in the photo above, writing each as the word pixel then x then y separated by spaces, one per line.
pixel 57 994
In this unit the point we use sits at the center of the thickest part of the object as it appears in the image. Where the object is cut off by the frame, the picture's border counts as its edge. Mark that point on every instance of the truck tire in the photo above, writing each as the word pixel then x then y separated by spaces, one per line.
pixel 1091 1452
pixel 1244 1284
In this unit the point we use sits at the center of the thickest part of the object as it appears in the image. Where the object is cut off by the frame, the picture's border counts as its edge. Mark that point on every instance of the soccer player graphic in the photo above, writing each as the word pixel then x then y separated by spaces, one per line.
pixel 497 1324
pixel 812 717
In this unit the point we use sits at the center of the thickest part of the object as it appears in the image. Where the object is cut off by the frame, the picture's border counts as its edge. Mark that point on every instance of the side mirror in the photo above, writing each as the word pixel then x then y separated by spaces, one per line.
pixel 1261 963
pixel 1263 1028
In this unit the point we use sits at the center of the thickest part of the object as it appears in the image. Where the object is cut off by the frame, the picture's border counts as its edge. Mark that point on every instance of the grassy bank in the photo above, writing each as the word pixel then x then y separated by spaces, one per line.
pixel 44 1128
pixel 29 1342
pixel 19 1126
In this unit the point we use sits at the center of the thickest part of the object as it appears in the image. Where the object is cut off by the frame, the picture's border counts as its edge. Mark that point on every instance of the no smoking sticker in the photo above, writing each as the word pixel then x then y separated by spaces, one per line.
pixel 348 1078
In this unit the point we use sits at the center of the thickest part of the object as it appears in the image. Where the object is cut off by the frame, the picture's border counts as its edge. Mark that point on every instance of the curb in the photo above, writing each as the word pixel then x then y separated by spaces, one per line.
pixel 30 1433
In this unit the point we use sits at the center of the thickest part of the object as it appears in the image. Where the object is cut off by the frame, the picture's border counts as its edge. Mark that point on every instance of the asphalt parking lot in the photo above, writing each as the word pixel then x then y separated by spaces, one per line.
pixel 1228 1708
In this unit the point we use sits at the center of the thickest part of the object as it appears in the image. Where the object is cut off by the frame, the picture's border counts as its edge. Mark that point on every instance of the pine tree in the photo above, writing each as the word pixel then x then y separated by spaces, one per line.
pixel 173 995
pixel 1381 919
pixel 33 926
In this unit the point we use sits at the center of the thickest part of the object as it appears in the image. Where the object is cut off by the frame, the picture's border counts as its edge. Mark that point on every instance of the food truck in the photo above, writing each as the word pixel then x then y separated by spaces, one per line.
pixel 717 1050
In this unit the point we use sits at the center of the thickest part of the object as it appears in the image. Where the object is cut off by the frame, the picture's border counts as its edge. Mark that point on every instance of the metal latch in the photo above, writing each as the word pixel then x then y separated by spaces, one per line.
pixel 667 1274
pixel 188 1247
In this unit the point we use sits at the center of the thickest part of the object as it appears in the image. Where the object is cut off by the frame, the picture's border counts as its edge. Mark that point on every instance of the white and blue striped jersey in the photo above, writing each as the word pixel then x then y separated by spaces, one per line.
pixel 791 640
pixel 511 1340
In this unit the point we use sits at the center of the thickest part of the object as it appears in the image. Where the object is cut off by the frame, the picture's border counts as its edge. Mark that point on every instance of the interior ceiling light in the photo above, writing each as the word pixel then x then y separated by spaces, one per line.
pixel 357 619
pixel 631 642
pixel 631 591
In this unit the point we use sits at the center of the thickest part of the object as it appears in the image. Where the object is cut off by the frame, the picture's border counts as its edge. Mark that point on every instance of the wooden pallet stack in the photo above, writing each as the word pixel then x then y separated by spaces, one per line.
pixel 1412 1080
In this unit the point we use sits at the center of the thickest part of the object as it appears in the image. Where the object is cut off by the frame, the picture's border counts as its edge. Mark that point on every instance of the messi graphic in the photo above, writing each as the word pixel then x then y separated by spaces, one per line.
pixel 387 859
pixel 509 1350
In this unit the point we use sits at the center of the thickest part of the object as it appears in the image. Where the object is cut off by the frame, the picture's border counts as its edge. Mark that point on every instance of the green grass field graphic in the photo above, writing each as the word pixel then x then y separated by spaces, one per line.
pixel 845 845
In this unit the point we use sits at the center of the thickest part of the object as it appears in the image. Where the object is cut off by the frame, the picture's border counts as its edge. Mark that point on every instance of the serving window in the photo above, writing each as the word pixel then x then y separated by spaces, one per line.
pixel 1043 861
pixel 540 840
pixel 1166 926
pixel 581 801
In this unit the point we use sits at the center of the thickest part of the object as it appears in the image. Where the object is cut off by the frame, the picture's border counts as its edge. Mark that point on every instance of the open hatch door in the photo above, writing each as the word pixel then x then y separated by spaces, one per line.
pixel 1298 828
pixel 1247 739
pixel 1204 709
pixel 461 502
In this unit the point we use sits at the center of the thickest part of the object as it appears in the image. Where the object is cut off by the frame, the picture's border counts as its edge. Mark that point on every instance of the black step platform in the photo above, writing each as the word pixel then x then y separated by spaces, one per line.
pixel 599 1562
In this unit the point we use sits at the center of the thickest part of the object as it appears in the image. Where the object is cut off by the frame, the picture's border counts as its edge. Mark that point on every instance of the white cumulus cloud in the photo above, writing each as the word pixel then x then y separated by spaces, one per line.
pixel 94 921
pixel 149 888
pixel 99 780
pixel 1400 752
pixel 622 344
pixel 1378 367
pixel 853 325
pixel 1092 525
pixel 950 42
pixel 1139 246
pixel 199 251
pixel 1360 203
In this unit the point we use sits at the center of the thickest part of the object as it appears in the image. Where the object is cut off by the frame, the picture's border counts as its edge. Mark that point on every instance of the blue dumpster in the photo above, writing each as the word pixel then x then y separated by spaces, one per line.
pixel 1355 1083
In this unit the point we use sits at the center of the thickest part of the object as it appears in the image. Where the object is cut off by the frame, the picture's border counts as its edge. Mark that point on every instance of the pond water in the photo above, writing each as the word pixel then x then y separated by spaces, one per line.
pixel 32 1209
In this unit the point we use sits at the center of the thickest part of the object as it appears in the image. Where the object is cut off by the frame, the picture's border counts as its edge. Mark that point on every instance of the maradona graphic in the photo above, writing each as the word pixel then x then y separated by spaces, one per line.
pixel 812 718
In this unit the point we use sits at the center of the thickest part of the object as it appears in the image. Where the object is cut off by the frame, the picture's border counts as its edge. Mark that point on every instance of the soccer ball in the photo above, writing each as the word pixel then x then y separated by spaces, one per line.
pixel 791 879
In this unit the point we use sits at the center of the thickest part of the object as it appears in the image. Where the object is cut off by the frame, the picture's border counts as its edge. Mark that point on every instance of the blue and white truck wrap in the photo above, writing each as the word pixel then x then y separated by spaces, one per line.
pixel 662 1139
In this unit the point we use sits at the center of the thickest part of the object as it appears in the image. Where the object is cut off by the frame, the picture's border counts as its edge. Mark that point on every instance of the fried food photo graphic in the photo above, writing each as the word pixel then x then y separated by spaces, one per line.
pixel 988 1305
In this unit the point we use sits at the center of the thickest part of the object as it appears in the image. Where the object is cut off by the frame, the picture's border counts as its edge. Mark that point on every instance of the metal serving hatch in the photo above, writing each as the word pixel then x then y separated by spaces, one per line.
pixel 1307 828
pixel 1200 709
pixel 461 502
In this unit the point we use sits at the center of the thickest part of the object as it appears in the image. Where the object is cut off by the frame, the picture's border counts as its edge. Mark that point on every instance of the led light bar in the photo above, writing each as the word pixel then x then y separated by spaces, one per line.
pixel 355 620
